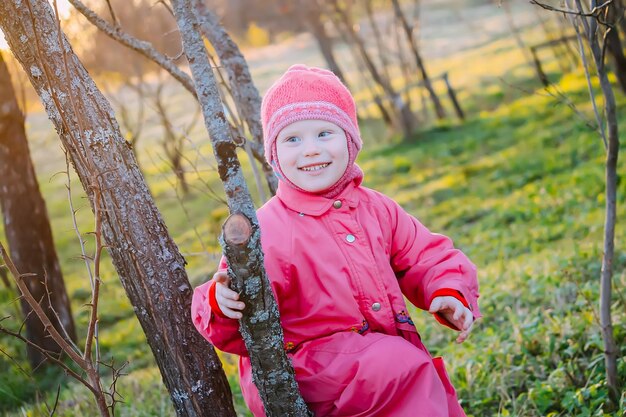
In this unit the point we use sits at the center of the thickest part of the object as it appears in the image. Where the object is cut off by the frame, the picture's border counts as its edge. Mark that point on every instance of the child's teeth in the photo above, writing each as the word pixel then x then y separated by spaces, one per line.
pixel 315 168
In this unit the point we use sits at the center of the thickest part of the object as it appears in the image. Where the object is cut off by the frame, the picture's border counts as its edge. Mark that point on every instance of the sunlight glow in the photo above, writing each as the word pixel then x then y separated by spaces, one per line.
pixel 64 11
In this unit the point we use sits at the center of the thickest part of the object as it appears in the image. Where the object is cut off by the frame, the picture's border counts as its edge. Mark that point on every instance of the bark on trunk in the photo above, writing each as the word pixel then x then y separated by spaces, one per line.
pixel 27 228
pixel 246 96
pixel 260 327
pixel 148 262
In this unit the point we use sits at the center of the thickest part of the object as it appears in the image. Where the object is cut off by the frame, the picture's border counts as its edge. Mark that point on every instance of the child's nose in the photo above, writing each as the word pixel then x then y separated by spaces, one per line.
pixel 311 147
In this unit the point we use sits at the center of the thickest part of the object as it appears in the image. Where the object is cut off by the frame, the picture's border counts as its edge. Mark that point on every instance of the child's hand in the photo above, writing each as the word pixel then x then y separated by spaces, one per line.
pixel 226 298
pixel 456 313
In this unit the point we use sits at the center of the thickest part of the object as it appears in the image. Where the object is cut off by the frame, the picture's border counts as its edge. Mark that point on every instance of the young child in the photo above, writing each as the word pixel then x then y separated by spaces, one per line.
pixel 340 257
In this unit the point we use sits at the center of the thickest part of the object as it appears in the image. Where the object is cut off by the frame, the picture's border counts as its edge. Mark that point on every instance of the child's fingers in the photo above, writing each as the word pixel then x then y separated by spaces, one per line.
pixel 459 310
pixel 469 319
pixel 465 334
pixel 231 314
pixel 228 297
pixel 224 291
pixel 229 303
pixel 436 305
pixel 221 277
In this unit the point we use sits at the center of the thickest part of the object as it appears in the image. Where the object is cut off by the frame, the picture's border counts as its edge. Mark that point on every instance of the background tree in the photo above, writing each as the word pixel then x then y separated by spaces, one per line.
pixel 173 136
pixel 141 19
pixel 245 95
pixel 589 25
pixel 408 29
pixel 408 123
pixel 310 13
pixel 27 228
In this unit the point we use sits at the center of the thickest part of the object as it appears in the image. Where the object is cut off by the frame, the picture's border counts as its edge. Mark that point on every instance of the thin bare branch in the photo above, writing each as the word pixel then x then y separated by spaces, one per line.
pixel 93 318
pixel 47 354
pixel 592 96
pixel 58 338
pixel 12 359
pixel 56 402
pixel 56 315
pixel 595 12
pixel 144 48
pixel 81 241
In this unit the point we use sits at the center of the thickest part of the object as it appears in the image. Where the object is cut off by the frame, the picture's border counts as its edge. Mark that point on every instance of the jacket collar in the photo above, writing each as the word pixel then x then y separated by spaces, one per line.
pixel 313 204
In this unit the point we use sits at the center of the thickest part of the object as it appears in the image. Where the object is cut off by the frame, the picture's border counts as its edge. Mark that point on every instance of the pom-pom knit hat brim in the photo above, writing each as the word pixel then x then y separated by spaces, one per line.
pixel 307 93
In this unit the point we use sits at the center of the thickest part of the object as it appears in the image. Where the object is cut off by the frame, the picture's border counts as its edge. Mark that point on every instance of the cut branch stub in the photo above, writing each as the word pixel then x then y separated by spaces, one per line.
pixel 237 229
pixel 260 328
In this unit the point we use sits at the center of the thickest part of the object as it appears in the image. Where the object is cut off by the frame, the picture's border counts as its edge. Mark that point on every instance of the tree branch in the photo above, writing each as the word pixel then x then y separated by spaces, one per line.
pixel 144 48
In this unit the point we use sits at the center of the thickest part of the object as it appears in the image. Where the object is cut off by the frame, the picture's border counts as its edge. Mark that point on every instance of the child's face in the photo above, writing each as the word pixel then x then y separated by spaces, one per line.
pixel 312 154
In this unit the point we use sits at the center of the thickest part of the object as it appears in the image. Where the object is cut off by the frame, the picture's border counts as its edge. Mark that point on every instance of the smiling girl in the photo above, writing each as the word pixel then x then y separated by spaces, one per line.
pixel 341 258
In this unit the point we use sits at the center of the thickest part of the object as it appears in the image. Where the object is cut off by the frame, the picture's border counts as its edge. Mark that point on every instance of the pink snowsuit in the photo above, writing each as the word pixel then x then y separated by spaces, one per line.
pixel 339 268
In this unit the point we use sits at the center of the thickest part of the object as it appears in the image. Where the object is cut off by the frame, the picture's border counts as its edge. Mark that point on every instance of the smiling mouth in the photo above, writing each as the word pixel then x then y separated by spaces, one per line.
pixel 314 167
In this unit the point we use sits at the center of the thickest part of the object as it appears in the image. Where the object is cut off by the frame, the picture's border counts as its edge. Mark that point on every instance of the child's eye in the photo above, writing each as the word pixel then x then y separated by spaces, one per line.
pixel 324 133
pixel 291 139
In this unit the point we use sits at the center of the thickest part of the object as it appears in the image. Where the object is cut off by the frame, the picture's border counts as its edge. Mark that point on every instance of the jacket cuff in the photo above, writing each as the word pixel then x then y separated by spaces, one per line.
pixel 449 292
pixel 215 307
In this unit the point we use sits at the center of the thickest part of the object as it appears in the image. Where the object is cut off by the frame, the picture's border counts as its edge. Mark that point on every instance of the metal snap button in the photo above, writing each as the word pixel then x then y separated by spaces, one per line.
pixel 350 238
pixel 376 306
pixel 337 204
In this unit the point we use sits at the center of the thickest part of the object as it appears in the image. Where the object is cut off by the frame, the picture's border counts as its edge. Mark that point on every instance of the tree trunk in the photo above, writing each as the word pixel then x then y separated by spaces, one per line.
pixel 610 109
pixel 27 228
pixel 358 61
pixel 146 258
pixel 311 14
pixel 378 40
pixel 407 69
pixel 260 327
pixel 408 121
pixel 245 94
pixel 441 113
pixel 615 47
pixel 612 150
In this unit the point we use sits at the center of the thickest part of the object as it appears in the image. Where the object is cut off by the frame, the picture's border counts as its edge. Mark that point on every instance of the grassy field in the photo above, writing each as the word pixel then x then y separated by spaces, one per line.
pixel 518 186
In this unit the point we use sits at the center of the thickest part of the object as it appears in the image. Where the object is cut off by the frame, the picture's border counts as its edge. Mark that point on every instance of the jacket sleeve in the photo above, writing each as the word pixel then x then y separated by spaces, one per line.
pixel 427 264
pixel 223 333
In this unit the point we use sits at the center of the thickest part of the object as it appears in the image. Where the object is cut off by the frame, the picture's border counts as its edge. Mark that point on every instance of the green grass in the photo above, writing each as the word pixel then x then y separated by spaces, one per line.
pixel 520 188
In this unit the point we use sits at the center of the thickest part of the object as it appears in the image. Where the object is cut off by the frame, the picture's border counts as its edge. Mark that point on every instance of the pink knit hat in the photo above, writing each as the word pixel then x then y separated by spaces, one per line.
pixel 308 93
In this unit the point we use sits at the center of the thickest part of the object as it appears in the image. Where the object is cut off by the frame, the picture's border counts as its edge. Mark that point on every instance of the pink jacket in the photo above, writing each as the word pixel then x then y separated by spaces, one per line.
pixel 344 265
